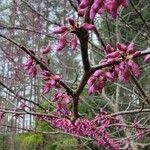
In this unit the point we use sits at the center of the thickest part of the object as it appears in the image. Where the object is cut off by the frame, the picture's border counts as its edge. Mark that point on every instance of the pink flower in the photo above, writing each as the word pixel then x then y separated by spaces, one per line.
pixel 46 49
pixel 32 71
pixel 60 30
pixel 134 68
pixel 61 44
pixel 95 8
pixel 94 128
pixel 113 54
pixel 147 58
pixel 111 75
pixel 51 81
pixel 122 47
pixel 109 49
pixel 30 67
pixel 62 100
pixel 127 67
pixel 101 6
pixel 74 43
pixel 28 64
pixel 111 7
pixel 97 82
pixel 124 72
pixel 87 26
pixel 83 4
pixel 130 48
pixel 62 97
pixel 71 21
pixel 81 12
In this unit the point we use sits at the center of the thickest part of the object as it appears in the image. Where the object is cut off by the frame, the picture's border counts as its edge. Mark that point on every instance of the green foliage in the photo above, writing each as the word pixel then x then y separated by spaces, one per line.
pixel 29 141
pixel 63 143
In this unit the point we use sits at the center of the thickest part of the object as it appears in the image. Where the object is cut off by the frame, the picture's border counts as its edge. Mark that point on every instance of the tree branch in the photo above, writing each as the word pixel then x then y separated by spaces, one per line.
pixel 42 65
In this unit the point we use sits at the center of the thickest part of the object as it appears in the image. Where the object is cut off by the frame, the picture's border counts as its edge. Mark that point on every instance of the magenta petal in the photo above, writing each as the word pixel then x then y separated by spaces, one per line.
pixel 91 90
pixel 147 58
pixel 113 54
pixel 137 53
pixel 110 60
pixel 62 43
pixel 71 21
pixel 98 73
pixel 60 30
pixel 91 81
pixel 110 76
pixel 81 12
pixel 134 68
pixel 32 71
pixel 46 88
pixel 124 76
pixel 130 62
pixel 122 47
pixel 109 49
pixel 52 82
pixel 57 77
pixel 130 47
pixel 122 65
pixel 74 44
pixel 46 49
pixel 88 26
pixel 29 62
pixel 83 4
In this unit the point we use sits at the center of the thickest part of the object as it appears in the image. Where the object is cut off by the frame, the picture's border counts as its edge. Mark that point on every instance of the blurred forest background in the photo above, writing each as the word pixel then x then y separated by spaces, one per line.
pixel 29 22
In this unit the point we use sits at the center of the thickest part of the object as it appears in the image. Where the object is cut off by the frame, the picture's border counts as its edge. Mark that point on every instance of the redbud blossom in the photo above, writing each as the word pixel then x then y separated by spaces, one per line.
pixel 96 129
pixel 123 70
pixel 74 43
pixel 94 9
pixel 61 43
pixel 60 30
pixel 62 100
pixel 147 58
pixel 97 82
pixel 71 21
pixel 87 26
pixel 83 4
pixel 109 49
pixel 101 6
pixel 32 71
pixel 51 81
pixel 30 66
pixel 81 12
pixel 46 49
pixel 68 31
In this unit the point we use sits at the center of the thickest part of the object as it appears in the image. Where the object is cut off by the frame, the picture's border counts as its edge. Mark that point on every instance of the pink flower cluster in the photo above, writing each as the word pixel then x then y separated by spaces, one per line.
pixel 30 67
pixel 101 6
pixel 51 81
pixel 62 101
pixel 97 82
pixel 95 129
pixel 123 70
pixel 66 34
